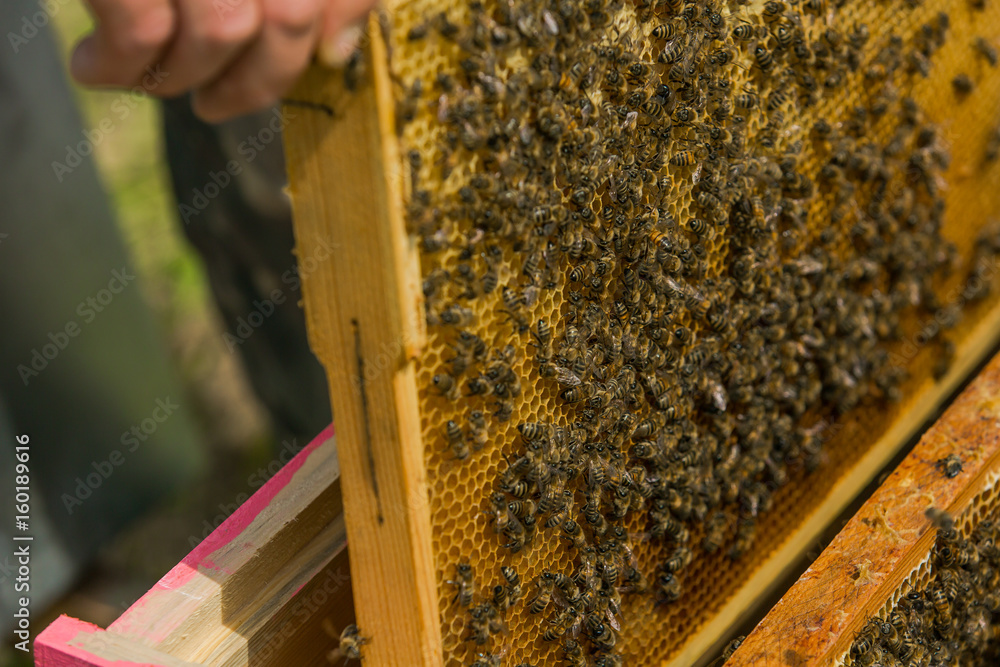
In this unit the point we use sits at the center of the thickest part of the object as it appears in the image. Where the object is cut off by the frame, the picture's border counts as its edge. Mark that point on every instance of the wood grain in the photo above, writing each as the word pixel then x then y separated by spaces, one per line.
pixel 254 592
pixel 363 309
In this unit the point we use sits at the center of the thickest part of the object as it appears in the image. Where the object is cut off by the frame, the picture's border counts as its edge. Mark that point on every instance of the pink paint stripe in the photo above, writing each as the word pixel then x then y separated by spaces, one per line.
pixel 258 502
pixel 55 647
pixel 200 556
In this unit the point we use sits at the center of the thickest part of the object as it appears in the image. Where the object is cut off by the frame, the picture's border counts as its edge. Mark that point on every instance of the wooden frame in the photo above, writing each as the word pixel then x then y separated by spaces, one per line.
pixel 816 622
pixel 364 315
pixel 254 592
pixel 364 311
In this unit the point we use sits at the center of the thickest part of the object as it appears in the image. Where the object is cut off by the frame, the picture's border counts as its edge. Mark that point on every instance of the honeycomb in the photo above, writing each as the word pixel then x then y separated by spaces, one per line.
pixel 618 204
pixel 946 611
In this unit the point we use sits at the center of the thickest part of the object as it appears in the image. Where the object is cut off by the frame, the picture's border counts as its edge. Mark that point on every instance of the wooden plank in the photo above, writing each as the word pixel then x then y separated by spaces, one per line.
pixel 217 582
pixel 296 635
pixel 816 621
pixel 68 642
pixel 361 308
pixel 257 589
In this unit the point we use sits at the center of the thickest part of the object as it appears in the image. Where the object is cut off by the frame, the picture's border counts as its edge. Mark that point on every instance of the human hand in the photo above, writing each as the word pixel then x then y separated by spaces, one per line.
pixel 237 56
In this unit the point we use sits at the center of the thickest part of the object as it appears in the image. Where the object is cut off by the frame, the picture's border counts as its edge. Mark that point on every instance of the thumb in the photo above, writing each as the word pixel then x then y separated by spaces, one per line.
pixel 344 30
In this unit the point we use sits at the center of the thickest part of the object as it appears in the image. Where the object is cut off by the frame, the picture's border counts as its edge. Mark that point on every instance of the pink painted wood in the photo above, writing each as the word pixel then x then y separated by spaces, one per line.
pixel 145 633
pixel 69 642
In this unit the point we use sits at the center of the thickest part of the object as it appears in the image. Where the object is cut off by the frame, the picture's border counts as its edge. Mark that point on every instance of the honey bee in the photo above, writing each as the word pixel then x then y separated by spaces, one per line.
pixel 699 228
pixel 513 301
pixel 515 531
pixel 664 31
pixel 747 100
pixel 773 10
pixel 487 660
pixel 351 642
pixel 941 604
pixel 745 531
pixel 680 559
pixel 543 338
pixel 483 623
pixel 479 433
pixel 986 50
pixel 763 58
pixel 456 315
pixel 512 588
pixel 446 384
pixel 715 532
pixel 456 439
pixel 668 588
pixel 546 585
pixel 745 32
pixel 950 465
pixel 464 583
pixel 574 654
pixel 600 633
pixel 731 647
pixel 962 83
pixel 522 508
pixel 685 158
pixel 571 531
pixel 489 279
pixel 560 508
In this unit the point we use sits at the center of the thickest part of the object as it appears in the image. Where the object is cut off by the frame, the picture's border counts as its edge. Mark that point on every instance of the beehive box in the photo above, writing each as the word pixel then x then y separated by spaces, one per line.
pixel 266 588
pixel 763 227
pixel 890 563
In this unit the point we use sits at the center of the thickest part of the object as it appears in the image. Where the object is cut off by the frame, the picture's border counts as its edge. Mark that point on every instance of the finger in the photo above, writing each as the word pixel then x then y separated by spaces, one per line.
pixel 129 37
pixel 209 37
pixel 343 29
pixel 265 71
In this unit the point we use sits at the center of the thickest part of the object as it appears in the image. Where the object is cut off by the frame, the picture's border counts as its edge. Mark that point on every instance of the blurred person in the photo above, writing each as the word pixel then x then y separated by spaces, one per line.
pixel 233 56
pixel 84 372
pixel 232 60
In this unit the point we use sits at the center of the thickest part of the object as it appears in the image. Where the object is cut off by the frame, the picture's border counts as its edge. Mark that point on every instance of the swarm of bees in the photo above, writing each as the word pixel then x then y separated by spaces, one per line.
pixel 952 619
pixel 632 163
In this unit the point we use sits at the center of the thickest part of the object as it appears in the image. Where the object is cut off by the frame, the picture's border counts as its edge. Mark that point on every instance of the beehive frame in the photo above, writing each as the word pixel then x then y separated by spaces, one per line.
pixel 883 551
pixel 366 325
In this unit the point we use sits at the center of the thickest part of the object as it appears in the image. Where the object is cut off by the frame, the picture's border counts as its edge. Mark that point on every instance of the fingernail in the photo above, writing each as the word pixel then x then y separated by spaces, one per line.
pixel 336 51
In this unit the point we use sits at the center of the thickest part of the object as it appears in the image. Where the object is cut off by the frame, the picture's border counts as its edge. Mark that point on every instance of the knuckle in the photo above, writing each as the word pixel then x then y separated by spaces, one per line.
pixel 293 14
pixel 232 28
pixel 146 31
